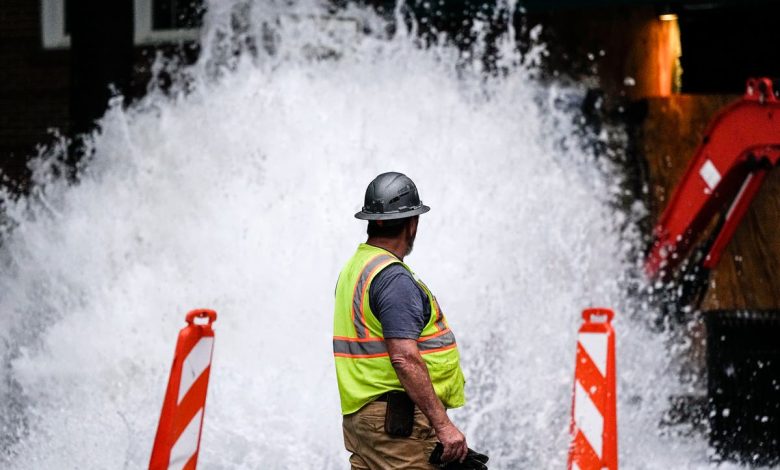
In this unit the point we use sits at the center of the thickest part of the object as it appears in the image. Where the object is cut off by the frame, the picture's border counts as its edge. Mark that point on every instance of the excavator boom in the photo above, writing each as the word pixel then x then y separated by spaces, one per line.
pixel 740 146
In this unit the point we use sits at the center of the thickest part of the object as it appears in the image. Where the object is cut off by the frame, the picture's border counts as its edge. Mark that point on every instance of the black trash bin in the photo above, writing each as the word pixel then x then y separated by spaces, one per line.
pixel 743 366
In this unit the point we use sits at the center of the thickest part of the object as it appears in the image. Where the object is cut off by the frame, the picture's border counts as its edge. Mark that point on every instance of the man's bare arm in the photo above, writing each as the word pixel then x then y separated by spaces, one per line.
pixel 413 374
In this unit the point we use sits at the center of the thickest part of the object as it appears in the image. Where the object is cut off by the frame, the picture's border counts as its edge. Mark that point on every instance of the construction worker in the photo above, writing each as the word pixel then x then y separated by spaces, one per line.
pixel 397 362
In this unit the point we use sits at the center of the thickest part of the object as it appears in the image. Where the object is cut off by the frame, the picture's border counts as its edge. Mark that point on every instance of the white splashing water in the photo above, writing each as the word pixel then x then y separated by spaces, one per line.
pixel 239 196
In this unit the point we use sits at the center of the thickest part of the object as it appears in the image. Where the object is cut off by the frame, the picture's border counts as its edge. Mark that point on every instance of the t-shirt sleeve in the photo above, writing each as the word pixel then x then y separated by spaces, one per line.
pixel 398 303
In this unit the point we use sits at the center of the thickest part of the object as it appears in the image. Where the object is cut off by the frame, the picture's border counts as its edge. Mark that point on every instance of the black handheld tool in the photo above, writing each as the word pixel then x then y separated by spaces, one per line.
pixel 473 461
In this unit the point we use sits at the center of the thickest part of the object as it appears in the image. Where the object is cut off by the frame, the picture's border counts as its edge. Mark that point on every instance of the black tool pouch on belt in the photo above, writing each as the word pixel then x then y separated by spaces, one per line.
pixel 399 418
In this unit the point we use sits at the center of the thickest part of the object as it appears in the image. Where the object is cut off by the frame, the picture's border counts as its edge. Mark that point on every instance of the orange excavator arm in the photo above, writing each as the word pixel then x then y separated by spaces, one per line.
pixel 741 145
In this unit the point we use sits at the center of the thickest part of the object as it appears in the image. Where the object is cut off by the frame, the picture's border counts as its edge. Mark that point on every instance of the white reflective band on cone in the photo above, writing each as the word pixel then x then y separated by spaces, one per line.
pixel 588 419
pixel 595 344
pixel 195 363
pixel 187 443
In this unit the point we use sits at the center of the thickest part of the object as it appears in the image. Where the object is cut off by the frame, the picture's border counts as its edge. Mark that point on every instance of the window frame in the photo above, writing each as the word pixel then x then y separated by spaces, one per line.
pixel 53 26
pixel 145 35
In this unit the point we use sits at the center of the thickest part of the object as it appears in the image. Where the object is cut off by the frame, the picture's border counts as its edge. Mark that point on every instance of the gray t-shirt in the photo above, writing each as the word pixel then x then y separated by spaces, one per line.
pixel 398 302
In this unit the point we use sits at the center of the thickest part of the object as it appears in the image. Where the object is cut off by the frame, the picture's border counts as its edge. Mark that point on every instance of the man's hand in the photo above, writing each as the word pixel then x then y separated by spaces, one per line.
pixel 413 374
pixel 454 443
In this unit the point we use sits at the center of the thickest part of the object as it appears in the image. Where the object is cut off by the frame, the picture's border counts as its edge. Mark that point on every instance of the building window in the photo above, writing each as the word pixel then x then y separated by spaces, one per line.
pixel 156 21
pixel 54 24
pixel 159 21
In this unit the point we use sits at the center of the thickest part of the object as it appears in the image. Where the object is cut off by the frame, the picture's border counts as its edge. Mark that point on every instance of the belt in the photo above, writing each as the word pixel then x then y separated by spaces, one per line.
pixel 383 397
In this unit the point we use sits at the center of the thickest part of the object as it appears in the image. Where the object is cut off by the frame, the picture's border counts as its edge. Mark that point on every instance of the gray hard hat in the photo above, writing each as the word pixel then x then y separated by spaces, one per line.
pixel 391 196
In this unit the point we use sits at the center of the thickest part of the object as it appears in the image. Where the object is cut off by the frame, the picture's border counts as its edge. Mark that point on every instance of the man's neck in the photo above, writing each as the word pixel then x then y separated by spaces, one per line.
pixel 393 245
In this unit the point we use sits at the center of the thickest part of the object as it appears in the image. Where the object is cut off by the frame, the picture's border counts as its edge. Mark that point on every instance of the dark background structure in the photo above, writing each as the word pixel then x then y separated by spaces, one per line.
pixel 661 70
pixel 61 61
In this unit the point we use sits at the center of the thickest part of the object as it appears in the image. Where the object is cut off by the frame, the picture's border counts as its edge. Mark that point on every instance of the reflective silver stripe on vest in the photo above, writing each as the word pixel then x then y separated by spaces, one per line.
pixel 441 341
pixel 359 348
pixel 374 348
pixel 432 298
pixel 357 295
pixel 439 316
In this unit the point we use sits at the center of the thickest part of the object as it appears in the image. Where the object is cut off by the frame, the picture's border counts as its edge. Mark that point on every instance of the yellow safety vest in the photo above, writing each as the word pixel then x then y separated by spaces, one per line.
pixel 363 365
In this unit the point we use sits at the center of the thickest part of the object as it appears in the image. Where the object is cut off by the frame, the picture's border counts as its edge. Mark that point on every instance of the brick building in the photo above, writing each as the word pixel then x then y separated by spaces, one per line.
pixel 37 63
pixel 33 84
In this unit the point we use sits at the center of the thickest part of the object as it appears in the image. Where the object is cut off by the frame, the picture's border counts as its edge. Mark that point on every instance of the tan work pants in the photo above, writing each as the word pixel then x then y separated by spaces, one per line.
pixel 373 449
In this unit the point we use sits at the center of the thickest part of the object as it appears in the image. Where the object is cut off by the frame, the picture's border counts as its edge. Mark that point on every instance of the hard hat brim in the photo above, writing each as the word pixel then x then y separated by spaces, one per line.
pixel 392 215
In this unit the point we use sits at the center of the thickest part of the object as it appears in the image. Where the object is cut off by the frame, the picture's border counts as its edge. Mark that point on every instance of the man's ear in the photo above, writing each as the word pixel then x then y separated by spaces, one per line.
pixel 412 225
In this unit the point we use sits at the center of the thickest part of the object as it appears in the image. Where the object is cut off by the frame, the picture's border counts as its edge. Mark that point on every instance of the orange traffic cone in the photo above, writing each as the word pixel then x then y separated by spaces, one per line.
pixel 594 404
pixel 178 435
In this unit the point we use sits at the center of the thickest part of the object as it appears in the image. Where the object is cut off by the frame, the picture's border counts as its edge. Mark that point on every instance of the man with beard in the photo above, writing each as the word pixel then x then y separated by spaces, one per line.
pixel 397 362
